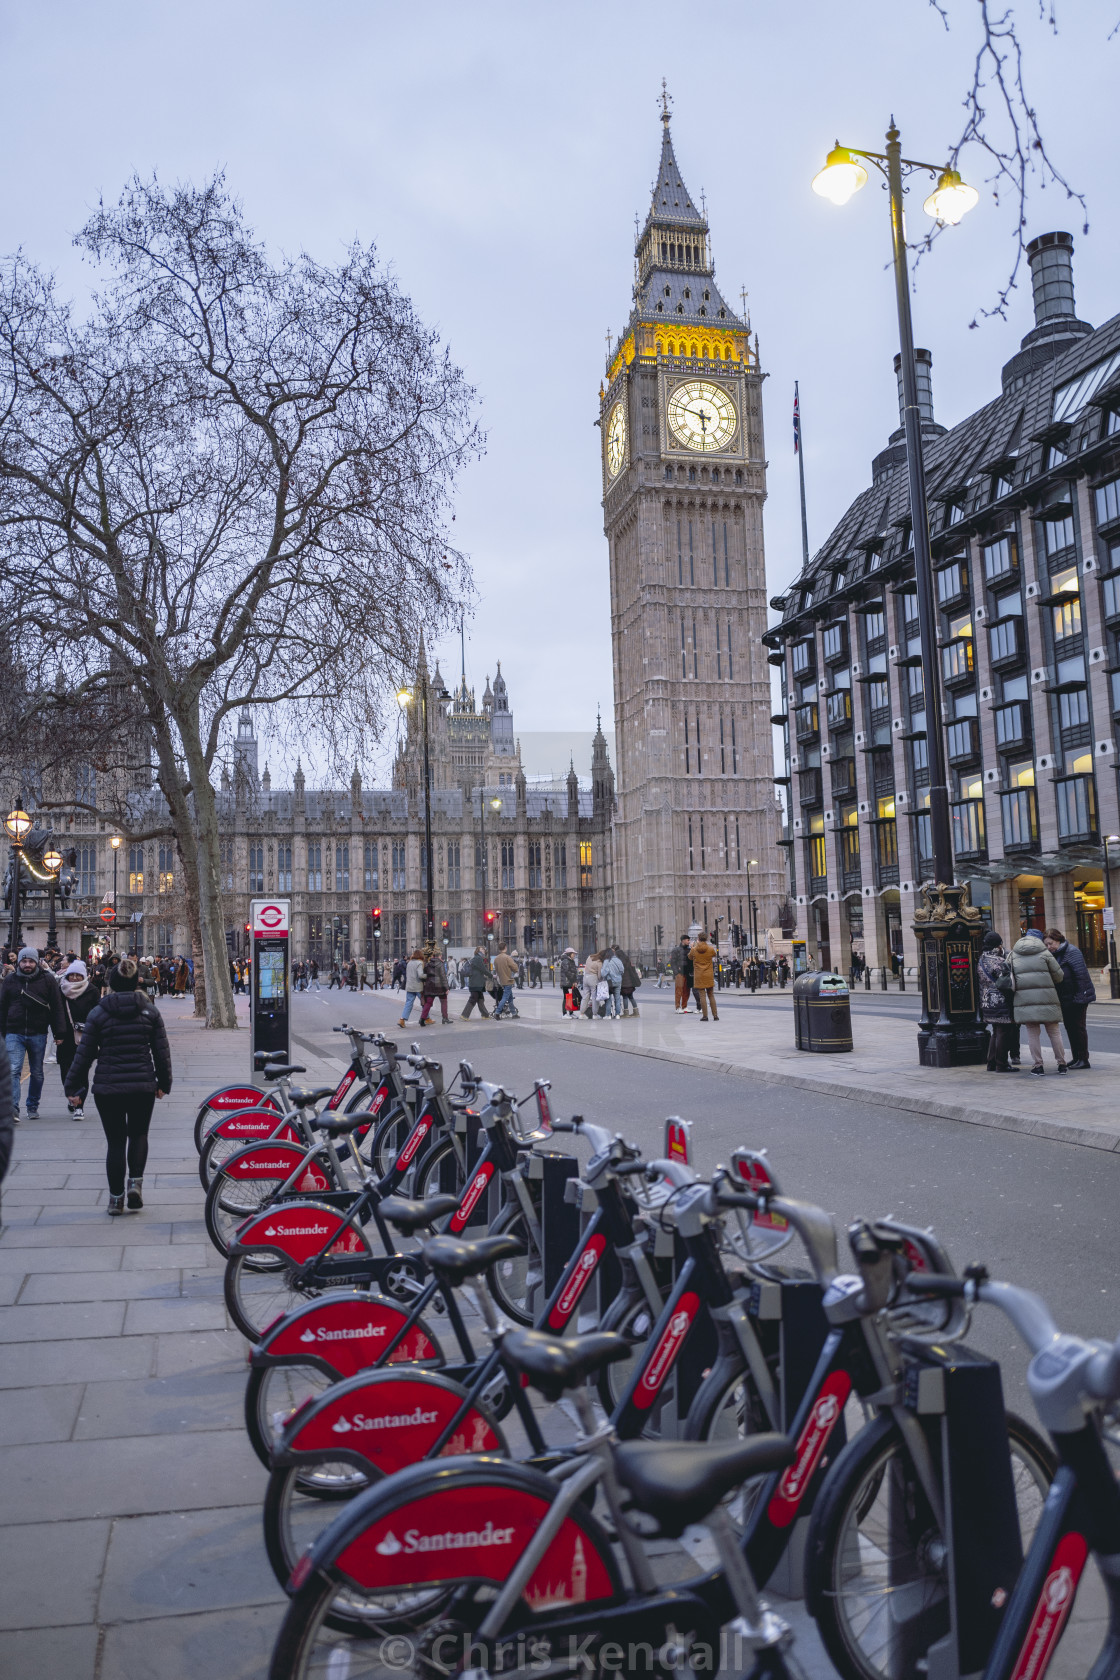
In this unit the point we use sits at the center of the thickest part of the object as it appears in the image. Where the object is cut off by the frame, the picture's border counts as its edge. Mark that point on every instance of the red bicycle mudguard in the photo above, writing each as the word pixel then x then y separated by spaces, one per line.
pixel 271 1160
pixel 299 1231
pixel 387 1420
pixel 343 1333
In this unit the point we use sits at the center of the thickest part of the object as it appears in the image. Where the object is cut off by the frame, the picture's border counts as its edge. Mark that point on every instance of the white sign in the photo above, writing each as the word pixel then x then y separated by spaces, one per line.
pixel 1110 917
pixel 271 917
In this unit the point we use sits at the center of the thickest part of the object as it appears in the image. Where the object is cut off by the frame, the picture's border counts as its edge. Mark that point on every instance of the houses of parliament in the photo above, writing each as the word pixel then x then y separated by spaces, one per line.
pixel 688 834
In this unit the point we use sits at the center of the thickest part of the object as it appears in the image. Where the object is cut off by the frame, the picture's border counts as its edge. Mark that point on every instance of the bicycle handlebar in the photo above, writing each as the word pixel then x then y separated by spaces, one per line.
pixel 679 1176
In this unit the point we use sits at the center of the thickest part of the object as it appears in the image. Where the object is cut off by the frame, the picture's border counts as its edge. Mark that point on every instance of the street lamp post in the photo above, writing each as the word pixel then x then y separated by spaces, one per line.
pixel 752 863
pixel 948 926
pixel 52 861
pixel 18 825
pixel 115 842
pixel 1113 971
pixel 404 698
pixel 495 805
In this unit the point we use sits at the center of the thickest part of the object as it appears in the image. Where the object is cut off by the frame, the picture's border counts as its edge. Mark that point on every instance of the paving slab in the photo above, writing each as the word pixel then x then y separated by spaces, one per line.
pixel 201 1350
pixel 187 1562
pixel 102 1258
pixel 99 1286
pixel 217 1645
pixel 46 1413
pixel 51 1572
pixel 193 1399
pixel 129 1475
pixel 185 1313
pixel 28 1364
pixel 148 1257
pixel 66 1322
pixel 70 1653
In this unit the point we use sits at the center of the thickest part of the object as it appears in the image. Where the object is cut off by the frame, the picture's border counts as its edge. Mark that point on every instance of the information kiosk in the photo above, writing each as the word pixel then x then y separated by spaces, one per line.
pixel 270 920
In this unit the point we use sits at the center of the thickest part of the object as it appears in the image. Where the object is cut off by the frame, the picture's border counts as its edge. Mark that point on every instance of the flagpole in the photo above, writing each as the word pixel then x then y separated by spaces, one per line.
pixel 799 446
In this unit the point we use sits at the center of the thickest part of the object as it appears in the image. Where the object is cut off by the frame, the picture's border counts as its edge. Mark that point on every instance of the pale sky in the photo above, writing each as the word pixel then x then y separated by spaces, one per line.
pixel 497 154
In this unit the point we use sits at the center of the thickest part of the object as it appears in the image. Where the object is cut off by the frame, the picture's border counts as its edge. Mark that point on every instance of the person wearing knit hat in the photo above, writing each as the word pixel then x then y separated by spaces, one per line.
pixel 79 998
pixel 30 1007
pixel 125 1035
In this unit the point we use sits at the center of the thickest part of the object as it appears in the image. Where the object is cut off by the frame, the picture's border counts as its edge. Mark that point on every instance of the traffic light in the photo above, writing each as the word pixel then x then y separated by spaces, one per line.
pixel 659 935
pixel 376 915
pixel 446 927
pixel 489 918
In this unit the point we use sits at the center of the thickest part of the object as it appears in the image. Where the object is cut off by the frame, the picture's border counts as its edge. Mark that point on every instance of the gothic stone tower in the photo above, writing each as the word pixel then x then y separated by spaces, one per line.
pixel 684 479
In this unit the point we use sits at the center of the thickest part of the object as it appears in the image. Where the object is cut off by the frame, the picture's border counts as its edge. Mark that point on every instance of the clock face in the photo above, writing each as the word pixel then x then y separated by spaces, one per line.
pixel 616 439
pixel 701 416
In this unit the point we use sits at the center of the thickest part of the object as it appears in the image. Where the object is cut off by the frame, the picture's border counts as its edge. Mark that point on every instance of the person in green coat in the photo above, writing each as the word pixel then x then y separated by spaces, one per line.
pixel 1037 975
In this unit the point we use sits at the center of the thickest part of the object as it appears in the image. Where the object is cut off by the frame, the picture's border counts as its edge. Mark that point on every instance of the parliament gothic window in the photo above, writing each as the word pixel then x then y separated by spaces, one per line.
pixel 535 863
pixel 314 866
pixel 136 869
pixel 342 868
pixel 507 864
pixel 400 876
pixel 370 871
pixel 284 867
pixel 256 866
pixel 453 866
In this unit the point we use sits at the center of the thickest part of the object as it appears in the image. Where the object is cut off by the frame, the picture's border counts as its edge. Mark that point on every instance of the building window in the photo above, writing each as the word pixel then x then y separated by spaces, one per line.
pixel 849 840
pixel 703 846
pixel 85 789
pixel 256 866
pixel 719 656
pixel 455 928
pixel 342 867
pixel 453 867
pixel 315 936
pixel 534 863
pixel 225 862
pixel 726 560
pixel 585 863
pixel 817 862
pixel 1000 559
pixel 400 935
pixel 508 881
pixel 284 867
pixel 560 865
pixel 726 846
pixel 680 558
pixel 314 866
pixel 691 863
pixel 1108 500
pixel 164 934
pixel 734 749
pixel 1067 618
pixel 1058 534
pixel 400 868
pixel 136 869
pixel 87 870
pixel 479 871
pixel 371 870
pixel 684 654
pixel 722 749
pixel 166 867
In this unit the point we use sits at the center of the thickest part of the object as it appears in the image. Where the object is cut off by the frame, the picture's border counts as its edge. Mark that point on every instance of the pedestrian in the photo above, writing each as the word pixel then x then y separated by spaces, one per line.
pixel 352 975
pixel 363 975
pixel 631 980
pixel 124 1033
pixel 78 999
pixel 315 975
pixel 703 955
pixel 435 986
pixel 682 975
pixel 612 972
pixel 783 972
pixel 1037 975
pixel 1075 993
pixel 30 1005
pixel 996 994
pixel 505 972
pixel 569 983
pixel 413 985
pixel 478 979
pixel 6 1118
pixel 591 971
pixel 399 974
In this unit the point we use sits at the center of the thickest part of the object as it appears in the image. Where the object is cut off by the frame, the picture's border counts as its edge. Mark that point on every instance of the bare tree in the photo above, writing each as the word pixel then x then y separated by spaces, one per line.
pixel 227 483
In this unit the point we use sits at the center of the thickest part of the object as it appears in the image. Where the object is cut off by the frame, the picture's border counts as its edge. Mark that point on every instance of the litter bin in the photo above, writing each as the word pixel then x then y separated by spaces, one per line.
pixel 822 1013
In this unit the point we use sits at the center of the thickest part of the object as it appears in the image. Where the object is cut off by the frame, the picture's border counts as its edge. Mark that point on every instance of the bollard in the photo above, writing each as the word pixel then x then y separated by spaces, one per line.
pixel 867 979
pixel 883 977
pixel 902 977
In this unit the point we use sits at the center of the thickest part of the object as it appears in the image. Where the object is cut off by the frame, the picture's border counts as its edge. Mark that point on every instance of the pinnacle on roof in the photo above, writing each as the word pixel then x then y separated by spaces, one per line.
pixel 671 200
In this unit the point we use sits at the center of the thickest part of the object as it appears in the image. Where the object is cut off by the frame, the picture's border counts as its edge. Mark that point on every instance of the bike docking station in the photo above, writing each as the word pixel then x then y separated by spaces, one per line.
pixel 270 1015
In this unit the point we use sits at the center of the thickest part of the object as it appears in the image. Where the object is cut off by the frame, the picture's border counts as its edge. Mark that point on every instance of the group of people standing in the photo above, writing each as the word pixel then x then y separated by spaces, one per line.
pixel 105 1018
pixel 1043 981
pixel 604 986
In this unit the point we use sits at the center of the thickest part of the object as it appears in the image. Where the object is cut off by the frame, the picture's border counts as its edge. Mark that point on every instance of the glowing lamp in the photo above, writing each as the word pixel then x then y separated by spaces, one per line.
pixel 951 198
pixel 18 824
pixel 52 860
pixel 841 176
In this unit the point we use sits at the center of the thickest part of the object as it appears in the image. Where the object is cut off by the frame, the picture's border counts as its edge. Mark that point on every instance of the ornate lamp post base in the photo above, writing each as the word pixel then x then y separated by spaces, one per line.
pixel 949 930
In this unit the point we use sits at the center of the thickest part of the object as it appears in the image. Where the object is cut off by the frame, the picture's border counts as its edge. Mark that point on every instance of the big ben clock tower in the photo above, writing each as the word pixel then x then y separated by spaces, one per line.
pixel 684 479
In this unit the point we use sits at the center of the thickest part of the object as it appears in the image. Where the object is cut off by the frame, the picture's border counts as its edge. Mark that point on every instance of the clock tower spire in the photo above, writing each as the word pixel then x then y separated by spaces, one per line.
pixel 683 486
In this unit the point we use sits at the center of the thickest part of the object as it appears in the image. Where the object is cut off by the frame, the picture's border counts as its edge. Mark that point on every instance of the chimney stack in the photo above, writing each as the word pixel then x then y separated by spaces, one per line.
pixel 1051 260
pixel 923 368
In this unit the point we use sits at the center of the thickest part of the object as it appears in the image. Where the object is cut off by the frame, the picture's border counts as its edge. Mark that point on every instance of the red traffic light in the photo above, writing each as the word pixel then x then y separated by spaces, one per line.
pixel 376 913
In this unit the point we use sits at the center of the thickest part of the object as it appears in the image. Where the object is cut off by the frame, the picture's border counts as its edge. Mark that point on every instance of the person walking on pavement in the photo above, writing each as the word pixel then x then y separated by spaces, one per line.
pixel 435 986
pixel 1037 975
pixel 703 955
pixel 413 985
pixel 612 971
pixel 352 975
pixel 1075 993
pixel 995 1002
pixel 125 1035
pixel 505 972
pixel 7 1121
pixel 478 978
pixel 681 964
pixel 78 999
pixel 30 1005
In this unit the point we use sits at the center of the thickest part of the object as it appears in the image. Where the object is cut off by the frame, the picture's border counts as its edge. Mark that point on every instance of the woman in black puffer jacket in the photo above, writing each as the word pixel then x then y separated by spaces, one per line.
pixel 126 1036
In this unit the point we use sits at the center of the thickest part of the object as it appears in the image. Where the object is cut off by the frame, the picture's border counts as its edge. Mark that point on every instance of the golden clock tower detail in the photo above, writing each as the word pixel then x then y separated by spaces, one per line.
pixel 684 480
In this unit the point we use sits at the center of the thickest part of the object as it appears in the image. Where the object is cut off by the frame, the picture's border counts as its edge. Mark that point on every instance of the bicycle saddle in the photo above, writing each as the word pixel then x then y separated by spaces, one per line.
pixel 265 1058
pixel 305 1099
pixel 340 1125
pixel 281 1070
pixel 455 1260
pixel 409 1216
pixel 554 1363
pixel 679 1482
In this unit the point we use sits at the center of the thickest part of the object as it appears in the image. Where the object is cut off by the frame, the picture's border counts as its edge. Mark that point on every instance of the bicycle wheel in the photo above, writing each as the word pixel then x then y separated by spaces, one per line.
pixel 517 1284
pixel 726 1410
pixel 298 1504
pixel 438 1172
pixel 229 1203
pixel 255 1298
pixel 876 1558
pixel 272 1394
pixel 388 1140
